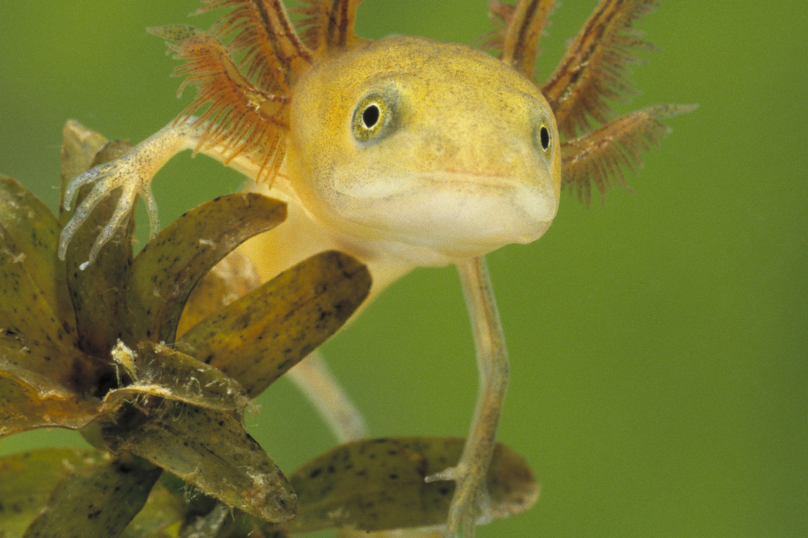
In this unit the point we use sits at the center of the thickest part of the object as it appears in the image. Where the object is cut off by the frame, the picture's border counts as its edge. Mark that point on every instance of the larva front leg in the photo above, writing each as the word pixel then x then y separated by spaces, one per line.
pixel 133 173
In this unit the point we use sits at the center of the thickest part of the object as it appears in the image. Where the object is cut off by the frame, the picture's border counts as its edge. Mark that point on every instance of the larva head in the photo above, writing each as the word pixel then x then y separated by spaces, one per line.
pixel 437 149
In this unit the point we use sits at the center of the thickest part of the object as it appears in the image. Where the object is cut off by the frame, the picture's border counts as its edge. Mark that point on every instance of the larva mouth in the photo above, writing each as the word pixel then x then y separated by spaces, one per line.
pixel 456 214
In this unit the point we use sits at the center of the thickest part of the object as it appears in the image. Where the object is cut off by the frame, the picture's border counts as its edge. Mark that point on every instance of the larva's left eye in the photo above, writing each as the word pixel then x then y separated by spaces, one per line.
pixel 544 139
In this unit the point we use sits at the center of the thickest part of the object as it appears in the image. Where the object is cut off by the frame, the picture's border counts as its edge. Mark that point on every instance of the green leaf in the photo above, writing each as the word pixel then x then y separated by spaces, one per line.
pixel 24 308
pixel 99 502
pixel 158 370
pixel 29 401
pixel 99 292
pixel 258 338
pixel 32 233
pixel 168 268
pixel 162 511
pixel 378 484
pixel 27 478
pixel 233 277
pixel 63 365
pixel 210 450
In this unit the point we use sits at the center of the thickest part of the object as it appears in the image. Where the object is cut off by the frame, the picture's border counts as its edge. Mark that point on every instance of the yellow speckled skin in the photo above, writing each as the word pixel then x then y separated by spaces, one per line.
pixel 461 172
pixel 462 155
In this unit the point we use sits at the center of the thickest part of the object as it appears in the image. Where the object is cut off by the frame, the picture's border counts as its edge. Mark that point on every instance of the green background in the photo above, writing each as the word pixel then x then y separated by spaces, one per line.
pixel 658 343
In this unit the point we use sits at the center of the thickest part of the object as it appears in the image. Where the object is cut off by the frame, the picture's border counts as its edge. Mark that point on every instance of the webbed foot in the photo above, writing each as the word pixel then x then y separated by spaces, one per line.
pixel 470 505
pixel 131 173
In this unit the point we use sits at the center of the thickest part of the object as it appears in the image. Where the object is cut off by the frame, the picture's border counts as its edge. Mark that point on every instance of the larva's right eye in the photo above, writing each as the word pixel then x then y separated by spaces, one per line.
pixel 373 118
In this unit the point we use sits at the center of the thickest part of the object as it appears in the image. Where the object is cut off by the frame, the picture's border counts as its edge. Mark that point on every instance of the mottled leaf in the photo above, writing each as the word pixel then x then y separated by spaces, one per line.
pixel 162 511
pixel 378 484
pixel 99 291
pixel 259 337
pixel 157 370
pixel 27 478
pixel 29 401
pixel 32 233
pixel 424 532
pixel 99 502
pixel 195 500
pixel 63 365
pixel 210 450
pixel 230 279
pixel 24 308
pixel 168 268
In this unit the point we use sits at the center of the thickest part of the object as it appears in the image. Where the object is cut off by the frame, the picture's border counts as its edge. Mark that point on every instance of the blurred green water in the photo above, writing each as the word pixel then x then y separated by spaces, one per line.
pixel 658 344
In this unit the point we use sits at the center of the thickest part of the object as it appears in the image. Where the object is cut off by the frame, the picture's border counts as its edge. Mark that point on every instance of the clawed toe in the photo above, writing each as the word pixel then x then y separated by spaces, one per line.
pixel 470 505
pixel 118 174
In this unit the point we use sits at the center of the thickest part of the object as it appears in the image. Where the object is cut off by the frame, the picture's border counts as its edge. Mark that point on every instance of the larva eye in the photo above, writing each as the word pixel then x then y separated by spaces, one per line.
pixel 373 118
pixel 544 139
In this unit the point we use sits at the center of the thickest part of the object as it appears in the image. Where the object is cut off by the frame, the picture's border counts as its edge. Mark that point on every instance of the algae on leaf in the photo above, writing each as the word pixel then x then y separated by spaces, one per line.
pixel 170 265
pixel 27 479
pixel 90 347
pixel 258 338
pixel 100 501
pixel 378 484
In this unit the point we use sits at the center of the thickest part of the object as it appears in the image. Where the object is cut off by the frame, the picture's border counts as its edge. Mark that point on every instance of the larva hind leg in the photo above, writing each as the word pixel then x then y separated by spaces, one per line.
pixel 471 504
pixel 315 380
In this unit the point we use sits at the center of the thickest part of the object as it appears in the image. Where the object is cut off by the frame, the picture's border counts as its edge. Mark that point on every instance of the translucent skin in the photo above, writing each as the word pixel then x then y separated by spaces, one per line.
pixel 460 172
pixel 463 131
